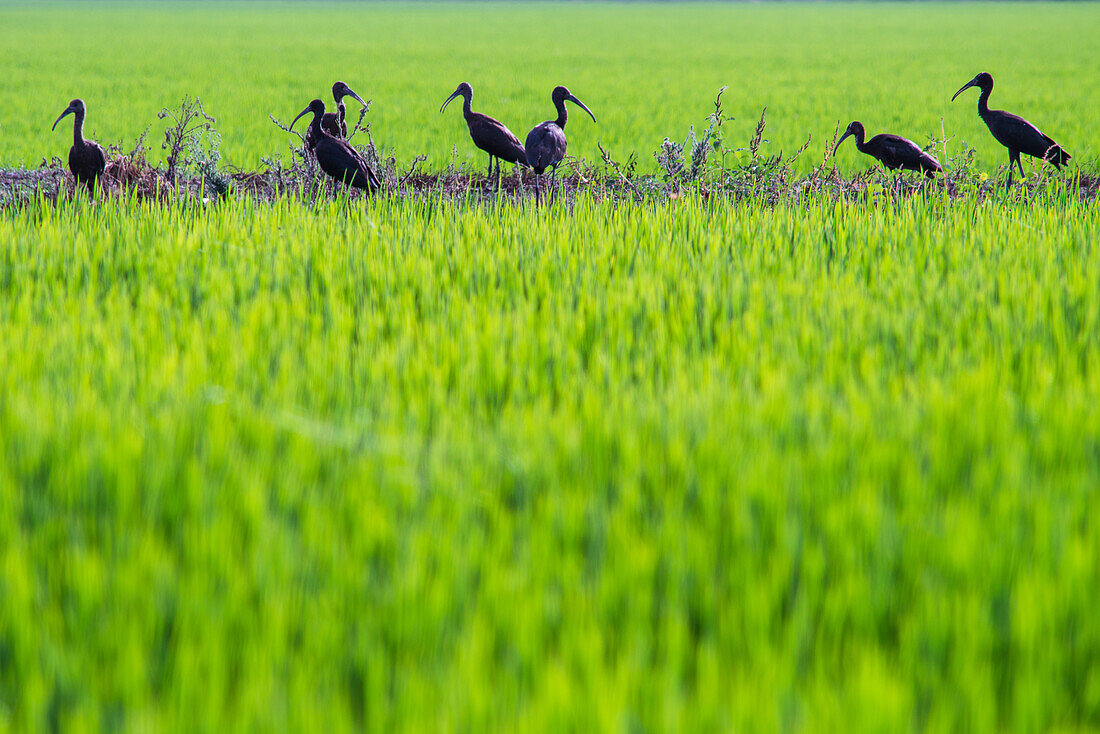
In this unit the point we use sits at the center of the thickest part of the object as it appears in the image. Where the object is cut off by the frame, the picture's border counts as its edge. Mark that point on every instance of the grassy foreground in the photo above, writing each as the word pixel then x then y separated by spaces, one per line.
pixel 831 467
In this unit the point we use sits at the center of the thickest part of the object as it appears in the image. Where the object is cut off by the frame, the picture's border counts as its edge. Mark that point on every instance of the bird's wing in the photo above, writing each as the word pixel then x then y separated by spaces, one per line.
pixel 98 156
pixel 1019 126
pixel 88 158
pixel 372 179
pixel 499 127
pixel 896 150
pixel 495 138
pixel 364 168
pixel 1014 132
pixel 930 161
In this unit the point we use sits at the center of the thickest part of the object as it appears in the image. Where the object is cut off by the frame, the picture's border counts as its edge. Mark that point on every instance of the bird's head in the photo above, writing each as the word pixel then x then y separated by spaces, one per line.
pixel 76 107
pixel 561 95
pixel 464 90
pixel 317 107
pixel 983 82
pixel 855 128
pixel 341 90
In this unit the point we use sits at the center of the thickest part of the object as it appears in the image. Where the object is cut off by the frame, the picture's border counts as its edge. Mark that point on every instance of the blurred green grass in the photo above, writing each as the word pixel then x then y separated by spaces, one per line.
pixel 417 465
pixel 647 70
pixel 410 465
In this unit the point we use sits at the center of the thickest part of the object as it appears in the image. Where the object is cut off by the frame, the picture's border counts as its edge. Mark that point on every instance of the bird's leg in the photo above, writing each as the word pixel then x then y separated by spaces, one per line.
pixel 1020 166
pixel 1011 160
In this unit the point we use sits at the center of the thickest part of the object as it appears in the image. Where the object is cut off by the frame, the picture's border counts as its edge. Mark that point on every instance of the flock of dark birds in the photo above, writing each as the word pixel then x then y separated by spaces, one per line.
pixel 544 148
pixel 1011 131
pixel 545 145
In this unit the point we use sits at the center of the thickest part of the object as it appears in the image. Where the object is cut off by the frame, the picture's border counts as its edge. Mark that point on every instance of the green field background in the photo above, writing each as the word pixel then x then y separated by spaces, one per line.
pixel 648 71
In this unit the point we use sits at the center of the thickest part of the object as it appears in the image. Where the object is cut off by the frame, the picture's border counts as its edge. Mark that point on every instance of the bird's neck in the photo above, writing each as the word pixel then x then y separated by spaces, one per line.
pixel 315 126
pixel 563 116
pixel 78 129
pixel 467 106
pixel 860 145
pixel 983 100
pixel 341 110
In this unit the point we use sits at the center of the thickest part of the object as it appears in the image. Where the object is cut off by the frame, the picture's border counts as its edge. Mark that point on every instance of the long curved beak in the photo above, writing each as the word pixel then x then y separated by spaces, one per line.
pixel 448 101
pixel 300 114
pixel 69 111
pixel 972 83
pixel 580 104
pixel 842 137
pixel 355 96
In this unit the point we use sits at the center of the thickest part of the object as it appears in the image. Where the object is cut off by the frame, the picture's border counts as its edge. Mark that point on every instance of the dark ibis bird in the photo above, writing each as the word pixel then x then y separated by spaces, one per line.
pixel 86 158
pixel 333 122
pixel 1013 131
pixel 490 135
pixel 336 158
pixel 546 142
pixel 893 151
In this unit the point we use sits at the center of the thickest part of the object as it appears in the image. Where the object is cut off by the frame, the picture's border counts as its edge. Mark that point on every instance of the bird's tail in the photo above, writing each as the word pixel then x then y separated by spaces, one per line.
pixel 1057 156
pixel 929 165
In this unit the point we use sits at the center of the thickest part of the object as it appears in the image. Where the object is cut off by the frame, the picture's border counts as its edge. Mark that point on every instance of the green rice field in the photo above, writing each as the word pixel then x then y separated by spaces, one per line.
pixel 819 462
pixel 648 71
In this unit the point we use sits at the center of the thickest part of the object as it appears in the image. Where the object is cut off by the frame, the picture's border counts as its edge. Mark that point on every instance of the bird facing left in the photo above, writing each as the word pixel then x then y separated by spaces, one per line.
pixel 87 162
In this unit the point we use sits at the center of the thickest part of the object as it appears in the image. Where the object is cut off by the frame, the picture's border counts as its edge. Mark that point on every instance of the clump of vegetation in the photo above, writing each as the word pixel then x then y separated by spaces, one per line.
pixel 191 141
pixel 691 162
pixel 204 156
pixel 130 170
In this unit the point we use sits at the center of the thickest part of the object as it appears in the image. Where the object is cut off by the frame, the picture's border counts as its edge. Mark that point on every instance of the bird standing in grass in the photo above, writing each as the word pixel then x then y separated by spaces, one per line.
pixel 333 122
pixel 336 158
pixel 1013 131
pixel 893 151
pixel 488 134
pixel 86 159
pixel 546 142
